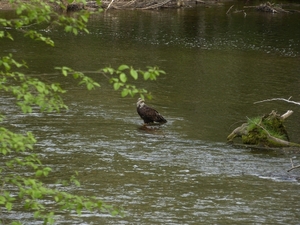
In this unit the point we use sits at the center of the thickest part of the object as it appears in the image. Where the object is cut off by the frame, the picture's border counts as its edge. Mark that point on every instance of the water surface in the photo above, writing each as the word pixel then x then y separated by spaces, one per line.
pixel 217 66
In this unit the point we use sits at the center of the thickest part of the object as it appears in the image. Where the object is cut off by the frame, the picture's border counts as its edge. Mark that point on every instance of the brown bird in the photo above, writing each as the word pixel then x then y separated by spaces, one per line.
pixel 148 114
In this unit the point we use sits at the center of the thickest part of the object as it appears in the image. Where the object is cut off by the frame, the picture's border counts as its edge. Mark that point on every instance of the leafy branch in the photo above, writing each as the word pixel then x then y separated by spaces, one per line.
pixel 120 76
pixel 21 170
pixel 36 12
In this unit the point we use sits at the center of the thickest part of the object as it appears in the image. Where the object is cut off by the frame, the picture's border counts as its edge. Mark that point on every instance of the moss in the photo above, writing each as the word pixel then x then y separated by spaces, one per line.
pixel 252 123
pixel 259 129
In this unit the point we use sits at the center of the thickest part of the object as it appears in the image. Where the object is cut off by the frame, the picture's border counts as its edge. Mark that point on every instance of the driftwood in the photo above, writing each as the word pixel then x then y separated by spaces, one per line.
pixel 293 167
pixel 112 1
pixel 157 5
pixel 287 114
pixel 266 7
pixel 229 9
pixel 133 4
pixel 142 4
pixel 279 99
pixel 267 131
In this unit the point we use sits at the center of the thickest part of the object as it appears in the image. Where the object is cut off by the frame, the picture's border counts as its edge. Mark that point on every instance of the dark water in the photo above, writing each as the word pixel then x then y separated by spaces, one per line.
pixel 217 66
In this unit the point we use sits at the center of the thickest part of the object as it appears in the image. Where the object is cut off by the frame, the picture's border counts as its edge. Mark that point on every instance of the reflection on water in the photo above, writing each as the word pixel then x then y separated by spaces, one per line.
pixel 182 172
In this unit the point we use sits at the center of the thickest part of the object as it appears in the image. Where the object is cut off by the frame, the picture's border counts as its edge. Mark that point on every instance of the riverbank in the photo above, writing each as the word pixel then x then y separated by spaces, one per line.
pixel 5 5
pixel 161 4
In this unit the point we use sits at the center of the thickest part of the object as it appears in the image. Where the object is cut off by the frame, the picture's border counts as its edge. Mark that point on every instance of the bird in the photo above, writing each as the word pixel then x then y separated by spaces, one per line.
pixel 148 114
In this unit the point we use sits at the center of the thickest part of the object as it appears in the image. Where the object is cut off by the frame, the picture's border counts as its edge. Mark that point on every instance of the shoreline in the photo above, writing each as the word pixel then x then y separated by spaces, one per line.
pixel 5 5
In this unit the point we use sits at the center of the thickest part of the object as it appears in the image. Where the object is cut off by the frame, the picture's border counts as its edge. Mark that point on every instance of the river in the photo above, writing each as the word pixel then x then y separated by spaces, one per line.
pixel 184 172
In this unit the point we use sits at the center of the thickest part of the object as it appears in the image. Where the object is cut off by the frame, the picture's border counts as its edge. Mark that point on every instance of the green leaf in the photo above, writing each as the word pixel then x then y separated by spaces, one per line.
pixel 16 223
pixel 96 84
pixel 6 65
pixel 54 87
pixel 135 91
pixel 39 173
pixel 8 35
pixel 68 28
pixel 40 88
pixel 2 200
pixel 113 80
pixel 130 92
pixel 46 171
pixel 117 86
pixel 75 31
pixel 85 18
pixel 8 206
pixel 124 92
pixel 123 67
pixel 26 108
pixel 79 209
pixel 90 86
pixel 134 73
pixel 146 75
pixel 123 77
pixel 108 70
pixel 64 72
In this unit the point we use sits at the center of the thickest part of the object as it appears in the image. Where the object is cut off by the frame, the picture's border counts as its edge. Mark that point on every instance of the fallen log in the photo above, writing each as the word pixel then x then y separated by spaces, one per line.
pixel 267 131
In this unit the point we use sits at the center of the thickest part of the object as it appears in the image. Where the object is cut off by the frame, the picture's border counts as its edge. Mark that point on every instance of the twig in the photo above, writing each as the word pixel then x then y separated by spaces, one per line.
pixel 229 9
pixel 279 99
pixel 157 5
pixel 129 3
pixel 110 4
pixel 293 167
pixel 287 114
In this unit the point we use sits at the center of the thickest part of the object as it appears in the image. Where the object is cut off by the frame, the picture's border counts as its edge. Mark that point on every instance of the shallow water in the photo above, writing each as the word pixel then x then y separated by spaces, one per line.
pixel 183 172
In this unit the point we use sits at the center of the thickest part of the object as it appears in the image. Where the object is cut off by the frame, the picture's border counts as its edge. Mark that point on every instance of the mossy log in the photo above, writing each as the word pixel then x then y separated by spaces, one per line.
pixel 266 131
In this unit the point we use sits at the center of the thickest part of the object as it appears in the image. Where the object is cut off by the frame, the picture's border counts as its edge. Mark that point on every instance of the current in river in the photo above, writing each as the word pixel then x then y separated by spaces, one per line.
pixel 217 65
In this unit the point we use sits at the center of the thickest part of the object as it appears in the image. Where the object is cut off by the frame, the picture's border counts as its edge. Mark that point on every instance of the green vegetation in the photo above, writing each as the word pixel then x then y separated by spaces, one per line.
pixel 121 77
pixel 26 190
pixel 260 129
pixel 265 131
pixel 252 123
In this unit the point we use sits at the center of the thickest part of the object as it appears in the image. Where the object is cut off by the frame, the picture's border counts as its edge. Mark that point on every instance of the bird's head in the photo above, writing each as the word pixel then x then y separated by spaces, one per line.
pixel 140 102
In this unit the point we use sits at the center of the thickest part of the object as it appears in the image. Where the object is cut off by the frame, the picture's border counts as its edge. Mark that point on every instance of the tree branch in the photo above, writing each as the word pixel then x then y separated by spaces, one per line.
pixel 229 9
pixel 293 167
pixel 110 4
pixel 287 114
pixel 279 99
pixel 155 6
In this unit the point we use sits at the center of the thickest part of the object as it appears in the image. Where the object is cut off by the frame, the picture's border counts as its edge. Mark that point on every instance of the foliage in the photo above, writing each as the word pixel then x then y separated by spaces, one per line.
pixel 17 150
pixel 29 188
pixel 265 126
pixel 259 130
pixel 121 78
pixel 252 123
